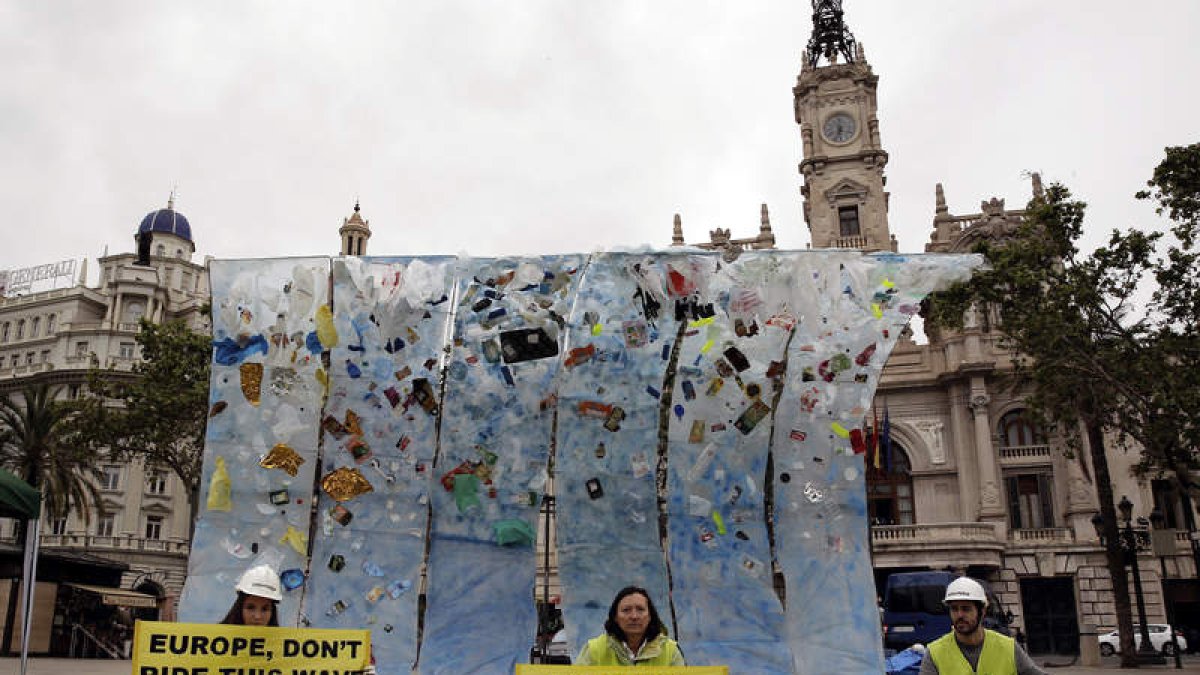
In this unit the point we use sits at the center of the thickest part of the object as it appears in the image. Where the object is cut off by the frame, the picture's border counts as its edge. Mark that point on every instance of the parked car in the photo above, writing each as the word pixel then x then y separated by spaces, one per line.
pixel 1160 639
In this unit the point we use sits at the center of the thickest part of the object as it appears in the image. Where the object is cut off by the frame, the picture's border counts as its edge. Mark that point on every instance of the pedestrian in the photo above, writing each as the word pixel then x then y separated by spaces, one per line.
pixel 634 635
pixel 258 596
pixel 969 647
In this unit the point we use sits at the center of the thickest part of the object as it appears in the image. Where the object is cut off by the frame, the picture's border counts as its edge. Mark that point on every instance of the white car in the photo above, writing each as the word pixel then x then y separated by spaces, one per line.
pixel 1160 638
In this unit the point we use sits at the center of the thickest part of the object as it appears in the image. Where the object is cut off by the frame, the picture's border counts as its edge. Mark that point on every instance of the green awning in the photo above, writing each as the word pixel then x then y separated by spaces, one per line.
pixel 17 498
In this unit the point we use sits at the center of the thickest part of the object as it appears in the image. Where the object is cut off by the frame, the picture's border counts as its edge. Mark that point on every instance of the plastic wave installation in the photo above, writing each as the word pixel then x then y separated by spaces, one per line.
pixel 372 418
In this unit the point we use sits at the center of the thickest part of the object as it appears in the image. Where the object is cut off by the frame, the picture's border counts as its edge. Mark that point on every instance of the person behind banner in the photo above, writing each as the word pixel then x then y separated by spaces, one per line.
pixel 258 596
pixel 633 635
pixel 969 647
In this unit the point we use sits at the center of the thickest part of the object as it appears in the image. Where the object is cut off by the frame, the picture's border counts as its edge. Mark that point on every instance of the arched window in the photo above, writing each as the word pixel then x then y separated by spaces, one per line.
pixel 160 250
pixel 51 324
pixel 4 332
pixel 1017 431
pixel 889 489
pixel 21 329
pixel 34 325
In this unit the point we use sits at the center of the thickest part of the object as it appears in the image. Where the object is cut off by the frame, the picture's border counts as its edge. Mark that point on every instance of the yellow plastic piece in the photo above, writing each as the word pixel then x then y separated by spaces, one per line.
pixel 840 430
pixel 326 331
pixel 220 488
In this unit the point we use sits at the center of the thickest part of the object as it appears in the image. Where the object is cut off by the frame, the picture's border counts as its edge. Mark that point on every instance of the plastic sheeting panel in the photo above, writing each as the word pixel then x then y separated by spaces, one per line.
pixel 497 420
pixel 621 334
pixel 391 317
pixel 269 319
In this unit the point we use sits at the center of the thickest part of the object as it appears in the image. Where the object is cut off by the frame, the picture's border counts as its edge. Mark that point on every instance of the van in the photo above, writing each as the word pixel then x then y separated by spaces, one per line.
pixel 913 611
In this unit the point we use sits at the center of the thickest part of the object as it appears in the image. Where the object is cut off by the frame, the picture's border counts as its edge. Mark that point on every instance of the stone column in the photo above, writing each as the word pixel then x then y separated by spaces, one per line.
pixel 991 508
pixel 961 430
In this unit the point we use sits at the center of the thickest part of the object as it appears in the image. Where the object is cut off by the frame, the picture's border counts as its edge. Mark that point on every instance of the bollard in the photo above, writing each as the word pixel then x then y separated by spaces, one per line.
pixel 1089 645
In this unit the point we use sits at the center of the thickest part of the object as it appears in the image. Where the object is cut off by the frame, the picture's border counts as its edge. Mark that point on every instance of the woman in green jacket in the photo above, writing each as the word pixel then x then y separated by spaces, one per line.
pixel 633 635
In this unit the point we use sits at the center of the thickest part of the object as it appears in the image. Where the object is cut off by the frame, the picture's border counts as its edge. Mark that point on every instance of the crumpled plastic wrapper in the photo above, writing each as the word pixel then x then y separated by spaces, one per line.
pixel 252 374
pixel 282 457
pixel 296 539
pixel 220 488
pixel 345 484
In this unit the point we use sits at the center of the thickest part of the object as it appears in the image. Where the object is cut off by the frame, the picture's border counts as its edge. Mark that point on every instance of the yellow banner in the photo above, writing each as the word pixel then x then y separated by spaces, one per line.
pixel 531 669
pixel 162 648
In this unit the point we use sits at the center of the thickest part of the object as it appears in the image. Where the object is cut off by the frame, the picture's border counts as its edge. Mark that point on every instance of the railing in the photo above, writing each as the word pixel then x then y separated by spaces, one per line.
pixel 1025 452
pixel 82 639
pixel 115 543
pixel 883 534
pixel 1044 535
pixel 853 241
pixel 26 369
pixel 129 327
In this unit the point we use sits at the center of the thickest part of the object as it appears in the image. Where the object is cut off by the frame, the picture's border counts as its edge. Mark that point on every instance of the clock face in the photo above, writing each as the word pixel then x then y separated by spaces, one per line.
pixel 839 128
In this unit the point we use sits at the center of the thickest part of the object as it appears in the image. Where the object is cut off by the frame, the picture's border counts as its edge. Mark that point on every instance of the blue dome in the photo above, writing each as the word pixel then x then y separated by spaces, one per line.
pixel 166 220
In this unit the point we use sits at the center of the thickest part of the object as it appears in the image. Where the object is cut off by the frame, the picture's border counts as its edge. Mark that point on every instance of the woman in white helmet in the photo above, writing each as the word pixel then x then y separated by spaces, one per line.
pixel 258 596
pixel 969 647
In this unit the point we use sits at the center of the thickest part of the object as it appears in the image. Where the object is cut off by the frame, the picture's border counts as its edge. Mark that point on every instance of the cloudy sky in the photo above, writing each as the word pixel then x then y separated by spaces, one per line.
pixel 536 126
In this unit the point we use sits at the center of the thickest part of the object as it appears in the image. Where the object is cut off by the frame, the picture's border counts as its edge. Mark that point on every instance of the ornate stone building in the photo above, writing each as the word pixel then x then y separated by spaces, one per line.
pixel 971 484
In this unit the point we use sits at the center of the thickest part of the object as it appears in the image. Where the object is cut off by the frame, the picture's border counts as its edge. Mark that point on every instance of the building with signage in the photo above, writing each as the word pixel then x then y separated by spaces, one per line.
pixel 54 336
pixel 971 485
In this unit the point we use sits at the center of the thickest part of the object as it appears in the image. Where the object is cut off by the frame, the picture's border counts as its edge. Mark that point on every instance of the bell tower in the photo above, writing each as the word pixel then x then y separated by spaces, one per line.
pixel 355 232
pixel 845 204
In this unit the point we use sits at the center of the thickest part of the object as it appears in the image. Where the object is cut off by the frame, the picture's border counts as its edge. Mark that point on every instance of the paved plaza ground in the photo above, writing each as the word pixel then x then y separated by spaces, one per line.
pixel 44 666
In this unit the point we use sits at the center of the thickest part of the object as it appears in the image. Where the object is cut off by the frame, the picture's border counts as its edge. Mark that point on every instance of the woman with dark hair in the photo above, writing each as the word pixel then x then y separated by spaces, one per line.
pixel 633 635
pixel 258 596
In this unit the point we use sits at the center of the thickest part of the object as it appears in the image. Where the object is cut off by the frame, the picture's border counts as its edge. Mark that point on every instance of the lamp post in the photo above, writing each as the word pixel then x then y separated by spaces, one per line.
pixel 1145 650
pixel 1163 543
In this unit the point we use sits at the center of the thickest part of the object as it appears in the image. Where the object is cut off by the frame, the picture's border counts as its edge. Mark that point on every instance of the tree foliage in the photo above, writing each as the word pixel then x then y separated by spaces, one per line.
pixel 1090 352
pixel 159 413
pixel 36 443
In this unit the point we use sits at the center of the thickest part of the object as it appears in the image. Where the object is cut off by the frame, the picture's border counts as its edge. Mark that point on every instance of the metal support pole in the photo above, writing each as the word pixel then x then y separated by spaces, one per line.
pixel 1145 650
pixel 1170 619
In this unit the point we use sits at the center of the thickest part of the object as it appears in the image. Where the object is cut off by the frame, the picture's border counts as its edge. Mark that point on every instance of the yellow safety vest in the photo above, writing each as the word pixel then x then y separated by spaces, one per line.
pixel 657 652
pixel 998 657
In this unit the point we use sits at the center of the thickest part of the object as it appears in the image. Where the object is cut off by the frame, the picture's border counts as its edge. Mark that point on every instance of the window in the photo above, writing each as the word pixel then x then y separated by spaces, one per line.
pixel 81 349
pixel 178 253
pixel 16 360
pixel 134 311
pixel 45 356
pixel 126 350
pixel 186 284
pixel 51 324
pixel 1167 500
pixel 73 392
pixel 889 490
pixel 58 526
pixel 29 358
pixel 105 525
pixel 161 250
pixel 34 326
pixel 1030 506
pixel 848 221
pixel 110 478
pixel 4 332
pixel 154 527
pixel 156 483
pixel 1017 431
pixel 21 329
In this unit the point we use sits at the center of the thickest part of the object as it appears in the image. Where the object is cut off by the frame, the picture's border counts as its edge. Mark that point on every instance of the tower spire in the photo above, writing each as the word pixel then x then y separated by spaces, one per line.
pixel 677 233
pixel 830 35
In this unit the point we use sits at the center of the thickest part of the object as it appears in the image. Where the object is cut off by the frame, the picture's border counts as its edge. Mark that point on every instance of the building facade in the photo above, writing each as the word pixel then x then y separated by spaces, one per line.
pixel 971 485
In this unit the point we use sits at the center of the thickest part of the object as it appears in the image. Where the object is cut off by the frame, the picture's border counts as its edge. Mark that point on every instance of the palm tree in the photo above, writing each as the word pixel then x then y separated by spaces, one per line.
pixel 35 443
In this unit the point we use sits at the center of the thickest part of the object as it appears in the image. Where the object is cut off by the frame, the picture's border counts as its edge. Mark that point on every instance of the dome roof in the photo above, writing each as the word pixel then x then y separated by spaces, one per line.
pixel 167 220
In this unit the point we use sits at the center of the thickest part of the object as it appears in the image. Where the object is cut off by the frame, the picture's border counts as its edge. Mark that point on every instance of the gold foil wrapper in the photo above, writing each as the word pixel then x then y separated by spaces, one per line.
pixel 282 457
pixel 345 484
pixel 353 424
pixel 252 374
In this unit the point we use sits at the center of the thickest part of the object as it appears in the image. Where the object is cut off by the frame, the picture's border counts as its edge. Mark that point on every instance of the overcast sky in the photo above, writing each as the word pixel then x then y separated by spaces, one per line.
pixel 540 126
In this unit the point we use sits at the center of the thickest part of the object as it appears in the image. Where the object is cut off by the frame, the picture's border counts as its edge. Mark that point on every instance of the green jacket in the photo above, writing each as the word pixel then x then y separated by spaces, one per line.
pixel 998 656
pixel 605 650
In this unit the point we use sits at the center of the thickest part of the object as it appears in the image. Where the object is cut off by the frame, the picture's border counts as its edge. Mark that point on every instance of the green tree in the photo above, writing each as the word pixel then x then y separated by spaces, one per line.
pixel 37 443
pixel 157 413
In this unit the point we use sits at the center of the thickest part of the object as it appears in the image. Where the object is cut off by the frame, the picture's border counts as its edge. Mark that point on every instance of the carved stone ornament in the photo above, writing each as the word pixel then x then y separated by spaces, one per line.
pixel 1079 492
pixel 989 494
pixel 979 402
pixel 931 433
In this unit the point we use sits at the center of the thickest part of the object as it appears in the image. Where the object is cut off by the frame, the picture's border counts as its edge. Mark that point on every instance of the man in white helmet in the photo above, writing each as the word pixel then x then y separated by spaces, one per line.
pixel 970 648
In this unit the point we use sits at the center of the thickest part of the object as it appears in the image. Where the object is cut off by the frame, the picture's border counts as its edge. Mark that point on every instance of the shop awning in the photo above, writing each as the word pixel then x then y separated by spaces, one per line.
pixel 17 498
pixel 118 596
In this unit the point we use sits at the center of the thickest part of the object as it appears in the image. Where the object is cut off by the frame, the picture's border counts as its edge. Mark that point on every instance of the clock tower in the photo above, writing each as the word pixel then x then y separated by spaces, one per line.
pixel 845 204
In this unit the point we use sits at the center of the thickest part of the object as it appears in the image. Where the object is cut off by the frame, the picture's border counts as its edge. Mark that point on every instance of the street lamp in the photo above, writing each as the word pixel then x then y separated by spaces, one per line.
pixel 1145 650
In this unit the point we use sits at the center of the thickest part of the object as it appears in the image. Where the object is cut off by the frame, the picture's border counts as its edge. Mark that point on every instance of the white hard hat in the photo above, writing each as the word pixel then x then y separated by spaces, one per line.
pixel 965 588
pixel 262 581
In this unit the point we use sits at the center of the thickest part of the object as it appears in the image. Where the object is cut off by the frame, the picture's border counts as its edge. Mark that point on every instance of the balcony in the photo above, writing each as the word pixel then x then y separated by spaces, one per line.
pixel 1043 536
pixel 936 545
pixel 1021 455
pixel 852 241
pixel 100 544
